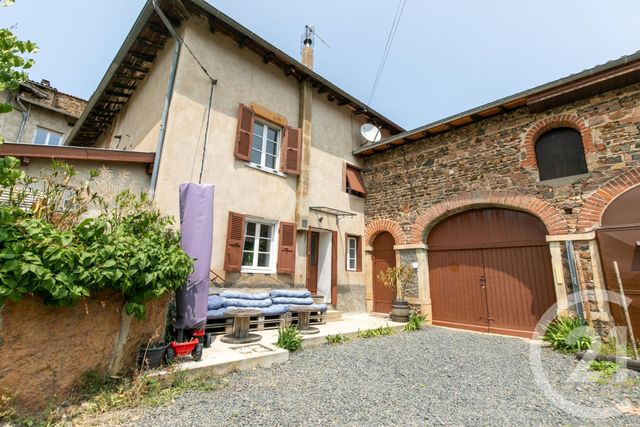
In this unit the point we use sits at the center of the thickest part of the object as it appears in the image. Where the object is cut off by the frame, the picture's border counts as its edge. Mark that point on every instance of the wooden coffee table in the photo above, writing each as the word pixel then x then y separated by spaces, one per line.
pixel 240 334
pixel 303 319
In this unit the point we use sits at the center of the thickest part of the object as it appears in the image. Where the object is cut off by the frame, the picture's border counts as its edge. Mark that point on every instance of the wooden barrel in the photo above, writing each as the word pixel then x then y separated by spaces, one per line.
pixel 400 311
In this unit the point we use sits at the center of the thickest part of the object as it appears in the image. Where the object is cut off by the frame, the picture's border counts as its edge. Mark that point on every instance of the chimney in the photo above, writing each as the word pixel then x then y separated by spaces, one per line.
pixel 307 47
pixel 46 83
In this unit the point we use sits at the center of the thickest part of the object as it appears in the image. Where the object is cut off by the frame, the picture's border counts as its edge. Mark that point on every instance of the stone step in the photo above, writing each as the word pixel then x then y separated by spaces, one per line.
pixel 333 315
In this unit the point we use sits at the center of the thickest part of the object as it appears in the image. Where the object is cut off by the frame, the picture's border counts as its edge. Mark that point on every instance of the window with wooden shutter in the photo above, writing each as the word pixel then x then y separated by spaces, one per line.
pixel 244 133
pixel 292 142
pixel 354 181
pixel 235 239
pixel 560 153
pixel 287 249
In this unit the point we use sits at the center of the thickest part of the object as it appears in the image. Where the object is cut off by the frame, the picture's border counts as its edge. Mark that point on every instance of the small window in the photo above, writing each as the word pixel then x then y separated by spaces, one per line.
pixel 559 153
pixel 257 250
pixel 265 145
pixel 354 261
pixel 354 182
pixel 47 137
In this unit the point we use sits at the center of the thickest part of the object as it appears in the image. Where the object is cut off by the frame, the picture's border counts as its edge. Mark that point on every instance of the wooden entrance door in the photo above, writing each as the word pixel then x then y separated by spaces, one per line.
pixel 383 257
pixel 312 261
pixel 618 241
pixel 490 271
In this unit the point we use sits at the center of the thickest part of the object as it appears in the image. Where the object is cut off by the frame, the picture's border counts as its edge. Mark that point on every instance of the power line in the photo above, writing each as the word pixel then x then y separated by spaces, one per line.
pixel 385 54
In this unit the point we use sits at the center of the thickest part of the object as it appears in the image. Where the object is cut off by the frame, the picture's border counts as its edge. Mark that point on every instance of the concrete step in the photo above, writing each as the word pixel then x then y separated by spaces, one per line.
pixel 333 315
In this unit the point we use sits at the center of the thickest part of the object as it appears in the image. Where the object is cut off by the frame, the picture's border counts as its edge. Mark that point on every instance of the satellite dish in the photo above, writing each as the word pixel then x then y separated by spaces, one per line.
pixel 370 132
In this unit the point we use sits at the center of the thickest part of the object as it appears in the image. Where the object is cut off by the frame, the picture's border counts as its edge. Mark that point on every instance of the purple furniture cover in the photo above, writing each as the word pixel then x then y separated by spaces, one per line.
pixel 196 225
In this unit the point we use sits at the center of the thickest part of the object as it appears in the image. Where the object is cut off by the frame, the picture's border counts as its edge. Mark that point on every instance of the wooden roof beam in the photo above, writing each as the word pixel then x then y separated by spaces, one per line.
pixel 159 29
pixel 268 57
pixel 142 56
pixel 128 76
pixel 117 94
pixel 135 67
pixel 150 43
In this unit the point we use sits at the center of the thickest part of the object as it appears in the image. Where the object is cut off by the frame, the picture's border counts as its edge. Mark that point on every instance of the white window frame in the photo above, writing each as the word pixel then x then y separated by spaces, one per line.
pixel 263 152
pixel 49 132
pixel 271 268
pixel 352 240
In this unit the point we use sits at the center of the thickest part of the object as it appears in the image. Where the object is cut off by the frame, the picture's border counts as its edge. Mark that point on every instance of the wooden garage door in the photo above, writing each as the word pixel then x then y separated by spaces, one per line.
pixel 490 271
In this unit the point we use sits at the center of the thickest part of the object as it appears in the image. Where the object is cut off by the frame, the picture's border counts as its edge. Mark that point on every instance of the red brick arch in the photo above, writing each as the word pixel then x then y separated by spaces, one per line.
pixel 552 218
pixel 551 122
pixel 590 215
pixel 378 226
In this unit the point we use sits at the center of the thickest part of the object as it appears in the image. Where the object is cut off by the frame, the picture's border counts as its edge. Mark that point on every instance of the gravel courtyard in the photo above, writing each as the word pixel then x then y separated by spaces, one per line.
pixel 432 377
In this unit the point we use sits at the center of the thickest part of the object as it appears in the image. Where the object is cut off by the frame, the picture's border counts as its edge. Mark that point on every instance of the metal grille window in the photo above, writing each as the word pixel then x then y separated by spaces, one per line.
pixel 559 153
pixel 257 251
pixel 47 137
pixel 265 145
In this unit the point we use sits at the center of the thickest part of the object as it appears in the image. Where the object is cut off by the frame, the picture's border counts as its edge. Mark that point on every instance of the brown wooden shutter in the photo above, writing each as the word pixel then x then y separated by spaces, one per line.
pixel 235 240
pixel 354 179
pixel 244 133
pixel 287 249
pixel 292 142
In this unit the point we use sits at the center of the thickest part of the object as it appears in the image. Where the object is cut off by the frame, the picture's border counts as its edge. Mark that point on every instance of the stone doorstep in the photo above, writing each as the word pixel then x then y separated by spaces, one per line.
pixel 223 359
pixel 333 315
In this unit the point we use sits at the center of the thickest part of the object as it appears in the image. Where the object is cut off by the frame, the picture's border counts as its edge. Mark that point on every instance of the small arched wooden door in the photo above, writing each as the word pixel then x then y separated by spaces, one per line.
pixel 619 240
pixel 490 271
pixel 383 257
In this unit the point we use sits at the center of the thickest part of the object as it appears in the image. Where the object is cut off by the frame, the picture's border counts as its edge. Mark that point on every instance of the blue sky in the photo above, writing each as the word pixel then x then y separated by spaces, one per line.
pixel 448 56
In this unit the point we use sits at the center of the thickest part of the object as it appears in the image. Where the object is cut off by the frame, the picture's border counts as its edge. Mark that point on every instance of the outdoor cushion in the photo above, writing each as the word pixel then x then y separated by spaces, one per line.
pixel 296 301
pixel 214 314
pixel 291 293
pixel 244 295
pixel 247 303
pixel 214 302
pixel 274 310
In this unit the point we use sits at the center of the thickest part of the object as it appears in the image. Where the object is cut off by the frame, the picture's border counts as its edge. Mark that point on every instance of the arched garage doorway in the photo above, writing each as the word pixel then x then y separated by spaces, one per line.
pixel 619 240
pixel 383 257
pixel 490 271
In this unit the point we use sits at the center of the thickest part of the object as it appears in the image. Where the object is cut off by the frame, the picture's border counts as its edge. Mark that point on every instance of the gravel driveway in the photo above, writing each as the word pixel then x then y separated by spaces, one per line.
pixel 432 377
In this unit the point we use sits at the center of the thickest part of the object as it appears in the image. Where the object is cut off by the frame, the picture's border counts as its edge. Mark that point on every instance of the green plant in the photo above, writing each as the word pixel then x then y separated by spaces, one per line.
pixel 337 339
pixel 53 250
pixel 289 338
pixel 393 277
pixel 605 367
pixel 376 332
pixel 568 334
pixel 416 321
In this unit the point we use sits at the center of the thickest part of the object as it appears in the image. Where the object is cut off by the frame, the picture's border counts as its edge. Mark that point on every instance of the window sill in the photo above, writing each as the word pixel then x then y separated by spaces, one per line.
pixel 257 270
pixel 267 170
pixel 565 180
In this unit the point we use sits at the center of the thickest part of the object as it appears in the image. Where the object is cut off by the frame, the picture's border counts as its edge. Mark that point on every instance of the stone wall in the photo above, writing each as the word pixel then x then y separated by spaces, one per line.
pixel 45 350
pixel 494 155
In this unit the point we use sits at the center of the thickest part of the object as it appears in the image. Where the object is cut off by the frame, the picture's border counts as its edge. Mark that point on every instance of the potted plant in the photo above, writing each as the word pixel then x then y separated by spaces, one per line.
pixel 393 277
pixel 152 354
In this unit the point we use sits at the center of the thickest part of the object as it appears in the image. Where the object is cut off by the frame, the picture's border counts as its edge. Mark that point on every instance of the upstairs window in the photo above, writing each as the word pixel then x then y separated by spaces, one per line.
pixel 265 145
pixel 559 153
pixel 354 184
pixel 47 137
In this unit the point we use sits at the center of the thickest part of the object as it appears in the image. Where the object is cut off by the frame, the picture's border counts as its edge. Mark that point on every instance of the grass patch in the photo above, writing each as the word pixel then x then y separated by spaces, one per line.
pixel 568 334
pixel 416 321
pixel 337 339
pixel 377 332
pixel 289 338
pixel 614 348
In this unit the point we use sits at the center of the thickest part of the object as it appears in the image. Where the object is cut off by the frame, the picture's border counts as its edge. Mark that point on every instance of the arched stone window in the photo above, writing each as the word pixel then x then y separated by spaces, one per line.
pixel 560 153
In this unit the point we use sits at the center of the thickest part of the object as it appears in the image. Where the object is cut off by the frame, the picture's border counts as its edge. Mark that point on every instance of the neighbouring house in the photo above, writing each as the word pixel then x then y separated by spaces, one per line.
pixel 227 108
pixel 485 201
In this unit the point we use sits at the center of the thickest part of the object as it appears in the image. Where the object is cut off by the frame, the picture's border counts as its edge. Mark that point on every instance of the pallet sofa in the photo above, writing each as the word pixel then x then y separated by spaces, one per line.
pixel 274 307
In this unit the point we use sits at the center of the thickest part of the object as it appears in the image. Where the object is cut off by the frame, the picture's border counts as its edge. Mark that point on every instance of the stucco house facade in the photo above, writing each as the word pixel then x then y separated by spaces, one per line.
pixel 225 107
pixel 508 208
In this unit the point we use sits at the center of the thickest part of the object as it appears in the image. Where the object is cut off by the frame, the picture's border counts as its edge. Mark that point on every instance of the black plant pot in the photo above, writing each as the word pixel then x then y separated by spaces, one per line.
pixel 400 311
pixel 151 357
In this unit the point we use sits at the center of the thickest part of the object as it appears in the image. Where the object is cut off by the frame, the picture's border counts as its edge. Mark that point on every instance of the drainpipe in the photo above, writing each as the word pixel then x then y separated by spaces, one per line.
pixel 167 98
pixel 25 116
pixel 575 288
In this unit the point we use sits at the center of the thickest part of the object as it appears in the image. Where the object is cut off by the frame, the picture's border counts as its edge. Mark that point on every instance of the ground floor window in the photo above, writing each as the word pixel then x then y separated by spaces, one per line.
pixel 257 252
pixel 353 253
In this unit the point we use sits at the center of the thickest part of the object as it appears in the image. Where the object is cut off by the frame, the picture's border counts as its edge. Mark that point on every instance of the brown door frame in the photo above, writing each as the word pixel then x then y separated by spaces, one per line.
pixel 334 261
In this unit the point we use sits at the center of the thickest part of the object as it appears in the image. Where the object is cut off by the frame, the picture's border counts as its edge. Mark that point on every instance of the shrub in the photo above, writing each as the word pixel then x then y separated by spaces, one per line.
pixel 605 367
pixel 377 332
pixel 416 320
pixel 289 338
pixel 568 334
pixel 337 339
pixel 51 248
